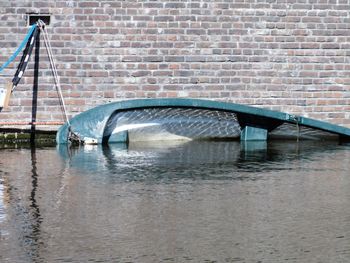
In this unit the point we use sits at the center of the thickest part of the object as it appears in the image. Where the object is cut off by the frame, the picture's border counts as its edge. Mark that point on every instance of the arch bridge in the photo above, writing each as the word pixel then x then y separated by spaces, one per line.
pixel 192 119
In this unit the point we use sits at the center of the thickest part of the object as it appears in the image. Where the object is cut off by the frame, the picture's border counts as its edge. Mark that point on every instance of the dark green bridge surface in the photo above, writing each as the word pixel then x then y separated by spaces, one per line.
pixel 92 123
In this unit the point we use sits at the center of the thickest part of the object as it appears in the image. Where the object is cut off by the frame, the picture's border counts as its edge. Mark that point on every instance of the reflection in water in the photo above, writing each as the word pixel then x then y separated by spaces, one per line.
pixel 2 202
pixel 33 238
pixel 183 202
pixel 27 213
pixel 208 160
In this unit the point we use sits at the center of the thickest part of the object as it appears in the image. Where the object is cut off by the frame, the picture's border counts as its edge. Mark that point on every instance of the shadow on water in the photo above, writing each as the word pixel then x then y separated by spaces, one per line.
pixel 206 160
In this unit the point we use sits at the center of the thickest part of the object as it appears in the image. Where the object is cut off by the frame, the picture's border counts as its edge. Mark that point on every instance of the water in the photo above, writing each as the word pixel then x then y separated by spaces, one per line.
pixel 190 202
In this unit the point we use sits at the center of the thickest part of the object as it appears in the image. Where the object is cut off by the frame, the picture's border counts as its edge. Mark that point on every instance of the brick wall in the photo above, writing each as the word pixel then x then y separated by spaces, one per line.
pixel 288 55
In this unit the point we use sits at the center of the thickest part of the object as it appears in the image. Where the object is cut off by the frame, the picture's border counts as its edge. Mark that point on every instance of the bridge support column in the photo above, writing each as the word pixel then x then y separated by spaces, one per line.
pixel 253 134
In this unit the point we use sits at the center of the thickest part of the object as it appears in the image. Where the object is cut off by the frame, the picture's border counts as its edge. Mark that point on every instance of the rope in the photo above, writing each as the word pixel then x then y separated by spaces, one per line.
pixel 20 47
pixel 72 137
pixel 32 35
pixel 41 25
pixel 25 58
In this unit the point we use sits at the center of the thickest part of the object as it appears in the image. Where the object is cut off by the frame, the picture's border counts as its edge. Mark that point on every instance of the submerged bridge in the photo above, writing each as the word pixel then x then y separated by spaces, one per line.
pixel 191 119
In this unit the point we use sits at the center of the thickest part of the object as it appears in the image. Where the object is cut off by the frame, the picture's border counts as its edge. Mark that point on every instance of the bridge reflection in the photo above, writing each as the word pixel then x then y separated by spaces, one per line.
pixel 194 159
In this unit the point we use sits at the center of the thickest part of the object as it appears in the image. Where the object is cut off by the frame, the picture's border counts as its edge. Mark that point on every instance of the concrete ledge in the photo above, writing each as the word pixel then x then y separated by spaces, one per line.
pixel 15 137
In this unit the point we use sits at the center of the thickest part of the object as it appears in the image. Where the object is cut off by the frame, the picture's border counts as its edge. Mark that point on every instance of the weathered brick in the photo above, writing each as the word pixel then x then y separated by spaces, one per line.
pixel 174 58
pixel 153 59
pixel 140 73
pixel 164 18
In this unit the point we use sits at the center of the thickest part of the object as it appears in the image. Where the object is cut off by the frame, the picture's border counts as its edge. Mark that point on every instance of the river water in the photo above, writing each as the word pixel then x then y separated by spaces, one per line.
pixel 180 202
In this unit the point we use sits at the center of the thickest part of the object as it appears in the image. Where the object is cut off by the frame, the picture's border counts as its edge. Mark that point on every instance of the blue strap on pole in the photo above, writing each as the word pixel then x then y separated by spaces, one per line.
pixel 21 46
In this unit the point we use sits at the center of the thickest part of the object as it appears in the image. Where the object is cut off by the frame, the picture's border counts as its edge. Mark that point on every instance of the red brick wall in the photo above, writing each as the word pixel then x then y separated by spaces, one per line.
pixel 288 55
